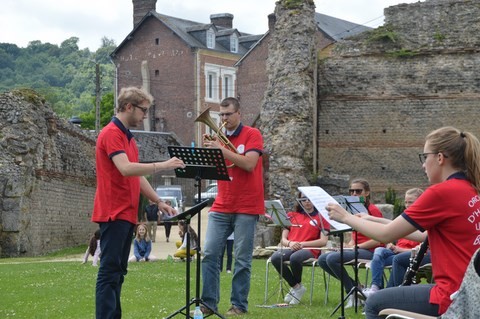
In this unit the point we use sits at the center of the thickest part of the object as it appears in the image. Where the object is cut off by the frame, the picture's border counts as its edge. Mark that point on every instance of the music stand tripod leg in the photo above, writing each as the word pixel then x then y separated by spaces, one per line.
pixel 355 290
pixel 342 298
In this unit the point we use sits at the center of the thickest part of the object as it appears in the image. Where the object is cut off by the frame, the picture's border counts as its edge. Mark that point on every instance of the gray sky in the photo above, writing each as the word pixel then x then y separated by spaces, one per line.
pixel 54 21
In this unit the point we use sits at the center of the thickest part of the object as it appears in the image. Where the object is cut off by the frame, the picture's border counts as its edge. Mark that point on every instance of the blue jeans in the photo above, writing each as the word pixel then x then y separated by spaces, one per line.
pixel 115 243
pixel 410 298
pixel 381 257
pixel 220 226
pixel 330 262
pixel 400 264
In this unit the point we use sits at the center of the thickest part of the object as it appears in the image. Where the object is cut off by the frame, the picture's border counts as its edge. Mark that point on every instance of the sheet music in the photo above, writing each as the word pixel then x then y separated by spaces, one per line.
pixel 320 199
pixel 275 209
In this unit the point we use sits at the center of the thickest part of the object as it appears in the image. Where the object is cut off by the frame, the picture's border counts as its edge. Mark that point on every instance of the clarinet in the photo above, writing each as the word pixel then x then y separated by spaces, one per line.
pixel 415 261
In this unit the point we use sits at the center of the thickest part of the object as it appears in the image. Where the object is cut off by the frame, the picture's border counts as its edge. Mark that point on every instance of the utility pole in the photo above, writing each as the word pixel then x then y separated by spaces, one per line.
pixel 97 97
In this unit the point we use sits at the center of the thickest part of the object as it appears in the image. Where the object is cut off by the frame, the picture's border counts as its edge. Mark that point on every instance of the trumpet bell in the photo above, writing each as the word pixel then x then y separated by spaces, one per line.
pixel 206 119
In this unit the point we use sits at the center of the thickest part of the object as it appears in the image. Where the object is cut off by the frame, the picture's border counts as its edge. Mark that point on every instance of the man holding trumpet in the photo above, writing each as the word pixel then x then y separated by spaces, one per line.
pixel 236 208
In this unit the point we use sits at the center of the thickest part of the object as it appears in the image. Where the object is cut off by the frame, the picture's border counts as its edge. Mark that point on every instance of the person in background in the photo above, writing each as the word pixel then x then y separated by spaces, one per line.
pixel 152 216
pixel 120 181
pixel 167 224
pixel 93 249
pixel 447 210
pixel 236 209
pixel 229 249
pixel 383 256
pixel 400 264
pixel 142 246
pixel 306 233
pixel 366 246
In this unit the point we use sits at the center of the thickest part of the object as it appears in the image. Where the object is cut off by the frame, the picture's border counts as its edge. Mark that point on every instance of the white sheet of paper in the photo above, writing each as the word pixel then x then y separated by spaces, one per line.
pixel 281 219
pixel 320 198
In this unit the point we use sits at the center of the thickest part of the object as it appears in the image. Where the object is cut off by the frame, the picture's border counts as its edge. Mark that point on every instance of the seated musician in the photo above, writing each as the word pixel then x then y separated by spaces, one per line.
pixel 331 262
pixel 305 232
pixel 383 256
pixel 448 210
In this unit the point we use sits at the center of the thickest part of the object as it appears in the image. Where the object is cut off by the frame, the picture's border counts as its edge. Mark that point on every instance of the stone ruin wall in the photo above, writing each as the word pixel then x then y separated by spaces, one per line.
pixel 47 178
pixel 379 98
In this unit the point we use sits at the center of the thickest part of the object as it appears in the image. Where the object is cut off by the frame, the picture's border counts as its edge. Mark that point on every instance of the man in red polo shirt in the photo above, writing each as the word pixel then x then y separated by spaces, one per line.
pixel 236 209
pixel 119 184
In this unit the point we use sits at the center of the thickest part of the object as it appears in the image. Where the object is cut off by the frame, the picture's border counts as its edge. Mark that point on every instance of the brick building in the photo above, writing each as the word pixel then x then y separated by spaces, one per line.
pixel 187 66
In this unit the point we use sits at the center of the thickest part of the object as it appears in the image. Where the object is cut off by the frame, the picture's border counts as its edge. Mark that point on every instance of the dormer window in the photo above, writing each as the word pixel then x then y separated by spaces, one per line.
pixel 210 39
pixel 233 43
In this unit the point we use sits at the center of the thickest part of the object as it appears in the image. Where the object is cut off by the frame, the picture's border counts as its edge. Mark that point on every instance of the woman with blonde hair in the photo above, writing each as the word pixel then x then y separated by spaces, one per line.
pixel 448 210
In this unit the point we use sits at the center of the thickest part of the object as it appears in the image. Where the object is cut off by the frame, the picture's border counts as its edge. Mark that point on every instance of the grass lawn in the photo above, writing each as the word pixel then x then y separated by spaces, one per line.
pixel 57 287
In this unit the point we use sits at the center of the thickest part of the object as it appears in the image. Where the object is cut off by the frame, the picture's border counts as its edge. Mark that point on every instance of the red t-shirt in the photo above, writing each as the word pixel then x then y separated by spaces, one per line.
pixel 407 244
pixel 117 197
pixel 244 192
pixel 308 230
pixel 361 238
pixel 450 212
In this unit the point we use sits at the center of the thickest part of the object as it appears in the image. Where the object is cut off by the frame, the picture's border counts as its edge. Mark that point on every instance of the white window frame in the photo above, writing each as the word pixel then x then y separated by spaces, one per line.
pixel 212 85
pixel 233 43
pixel 228 89
pixel 210 39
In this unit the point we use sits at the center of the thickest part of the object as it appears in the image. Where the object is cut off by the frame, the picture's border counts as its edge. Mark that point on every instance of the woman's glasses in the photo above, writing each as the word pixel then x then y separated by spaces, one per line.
pixel 353 191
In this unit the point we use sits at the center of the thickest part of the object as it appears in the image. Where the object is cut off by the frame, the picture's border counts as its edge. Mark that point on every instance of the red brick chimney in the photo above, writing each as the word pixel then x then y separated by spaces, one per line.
pixel 141 8
pixel 222 20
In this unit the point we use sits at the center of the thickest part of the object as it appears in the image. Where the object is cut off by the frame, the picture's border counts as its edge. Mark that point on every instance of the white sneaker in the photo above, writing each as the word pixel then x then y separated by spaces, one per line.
pixel 298 294
pixel 289 295
pixel 350 302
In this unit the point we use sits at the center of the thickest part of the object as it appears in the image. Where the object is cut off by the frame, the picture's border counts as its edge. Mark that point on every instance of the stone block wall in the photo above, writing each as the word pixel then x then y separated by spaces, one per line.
pixel 47 178
pixel 379 98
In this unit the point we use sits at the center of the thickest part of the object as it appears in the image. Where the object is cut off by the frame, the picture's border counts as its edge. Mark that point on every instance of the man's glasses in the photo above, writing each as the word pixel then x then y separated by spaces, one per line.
pixel 144 109
pixel 226 114
pixel 355 191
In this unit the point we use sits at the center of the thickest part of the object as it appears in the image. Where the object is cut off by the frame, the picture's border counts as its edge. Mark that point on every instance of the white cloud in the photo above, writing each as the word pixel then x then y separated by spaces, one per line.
pixel 54 21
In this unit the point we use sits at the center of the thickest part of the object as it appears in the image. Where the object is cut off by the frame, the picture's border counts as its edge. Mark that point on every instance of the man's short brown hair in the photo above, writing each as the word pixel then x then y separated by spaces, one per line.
pixel 231 101
pixel 134 96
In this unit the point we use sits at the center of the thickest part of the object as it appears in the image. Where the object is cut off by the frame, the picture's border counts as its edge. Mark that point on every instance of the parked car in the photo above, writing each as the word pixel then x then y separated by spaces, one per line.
pixel 210 193
pixel 172 191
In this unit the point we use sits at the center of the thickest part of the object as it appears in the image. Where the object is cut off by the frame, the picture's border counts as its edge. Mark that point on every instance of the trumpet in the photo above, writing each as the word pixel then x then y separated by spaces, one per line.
pixel 206 119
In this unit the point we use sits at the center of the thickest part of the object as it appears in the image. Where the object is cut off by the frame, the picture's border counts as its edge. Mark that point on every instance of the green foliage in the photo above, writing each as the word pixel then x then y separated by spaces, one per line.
pixel 402 53
pixel 62 288
pixel 398 207
pixel 64 74
pixel 106 112
pixel 383 34
pixel 439 37
pixel 398 204
pixel 294 4
pixel 390 196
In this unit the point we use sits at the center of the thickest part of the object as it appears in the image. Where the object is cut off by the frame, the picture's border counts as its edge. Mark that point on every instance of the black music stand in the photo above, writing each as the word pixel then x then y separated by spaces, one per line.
pixel 279 217
pixel 200 163
pixel 187 216
pixel 354 205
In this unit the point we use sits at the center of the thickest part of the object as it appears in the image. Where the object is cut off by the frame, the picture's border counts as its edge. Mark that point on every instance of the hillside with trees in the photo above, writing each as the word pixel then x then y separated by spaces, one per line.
pixel 64 75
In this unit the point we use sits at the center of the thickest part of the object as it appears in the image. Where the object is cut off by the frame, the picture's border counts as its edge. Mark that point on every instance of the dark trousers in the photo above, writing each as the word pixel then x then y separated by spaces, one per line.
pixel 168 227
pixel 229 248
pixel 115 243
